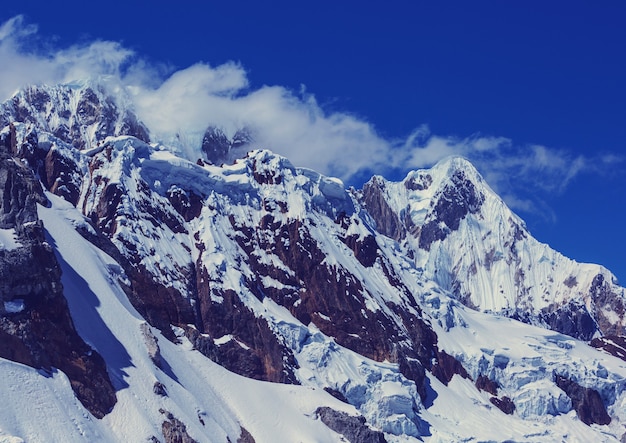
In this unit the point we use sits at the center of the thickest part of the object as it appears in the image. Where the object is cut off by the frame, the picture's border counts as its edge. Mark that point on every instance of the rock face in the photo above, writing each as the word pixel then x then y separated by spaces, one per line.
pixel 352 428
pixel 35 324
pixel 280 274
pixel 614 345
pixel 216 146
pixel 457 199
pixel 587 402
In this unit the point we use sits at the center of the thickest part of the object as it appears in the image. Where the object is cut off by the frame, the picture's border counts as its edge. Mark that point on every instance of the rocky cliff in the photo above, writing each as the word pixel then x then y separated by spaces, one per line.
pixel 35 324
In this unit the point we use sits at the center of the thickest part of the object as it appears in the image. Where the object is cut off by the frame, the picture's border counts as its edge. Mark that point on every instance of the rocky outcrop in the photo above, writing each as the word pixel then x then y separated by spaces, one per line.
pixel 586 401
pixel 354 429
pixel 252 349
pixel 332 298
pixel 504 404
pixel 612 304
pixel 174 430
pixel 387 221
pixel 484 383
pixel 245 437
pixel 20 190
pixel 458 198
pixel 611 344
pixel 446 366
pixel 35 324
pixel 186 202
pixel 217 146
pixel 571 319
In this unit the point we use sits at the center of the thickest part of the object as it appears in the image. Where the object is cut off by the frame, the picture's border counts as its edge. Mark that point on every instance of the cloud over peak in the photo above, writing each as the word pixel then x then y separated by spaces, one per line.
pixel 180 104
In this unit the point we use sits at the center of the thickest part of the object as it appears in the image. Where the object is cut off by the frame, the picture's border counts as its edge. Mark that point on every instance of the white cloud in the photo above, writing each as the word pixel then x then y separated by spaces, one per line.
pixel 26 60
pixel 179 105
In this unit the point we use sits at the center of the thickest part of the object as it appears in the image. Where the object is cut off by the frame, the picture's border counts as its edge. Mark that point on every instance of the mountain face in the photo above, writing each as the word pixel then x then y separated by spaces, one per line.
pixel 462 236
pixel 148 297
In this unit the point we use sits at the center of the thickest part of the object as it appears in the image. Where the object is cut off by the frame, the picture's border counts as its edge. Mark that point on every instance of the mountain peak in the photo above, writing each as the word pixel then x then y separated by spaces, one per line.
pixel 453 163
pixel 82 114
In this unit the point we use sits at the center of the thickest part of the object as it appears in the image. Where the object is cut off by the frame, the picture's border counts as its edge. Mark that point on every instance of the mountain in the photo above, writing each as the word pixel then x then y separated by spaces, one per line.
pixel 152 297
pixel 463 236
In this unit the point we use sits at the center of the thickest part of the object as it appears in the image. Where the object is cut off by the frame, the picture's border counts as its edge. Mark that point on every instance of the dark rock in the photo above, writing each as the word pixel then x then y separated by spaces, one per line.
pixel 159 389
pixel 338 395
pixel 254 351
pixel 586 401
pixel 160 305
pixel 245 436
pixel 41 333
pixel 174 430
pixel 612 344
pixel 217 146
pixel 19 192
pixel 354 429
pixel 387 221
pixel 570 281
pixel 457 199
pixel 241 138
pixel 419 183
pixel 62 176
pixel 604 297
pixel 365 250
pixel 186 203
pixel 505 404
pixel 446 367
pixel 27 148
pixel 571 319
pixel 414 370
pixel 484 383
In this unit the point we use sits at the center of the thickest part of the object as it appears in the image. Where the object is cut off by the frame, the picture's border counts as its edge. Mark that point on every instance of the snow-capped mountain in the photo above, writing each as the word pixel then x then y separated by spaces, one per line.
pixel 465 238
pixel 163 293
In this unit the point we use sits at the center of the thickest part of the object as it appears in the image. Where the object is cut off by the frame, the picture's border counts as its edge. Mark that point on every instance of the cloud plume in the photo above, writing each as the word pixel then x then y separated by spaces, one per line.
pixel 179 105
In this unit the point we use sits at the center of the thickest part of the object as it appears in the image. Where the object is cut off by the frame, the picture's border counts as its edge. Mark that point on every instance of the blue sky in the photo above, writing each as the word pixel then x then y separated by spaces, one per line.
pixel 533 93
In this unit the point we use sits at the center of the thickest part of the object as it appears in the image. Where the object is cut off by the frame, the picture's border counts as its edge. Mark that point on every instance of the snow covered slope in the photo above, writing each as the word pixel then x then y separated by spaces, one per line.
pixel 258 301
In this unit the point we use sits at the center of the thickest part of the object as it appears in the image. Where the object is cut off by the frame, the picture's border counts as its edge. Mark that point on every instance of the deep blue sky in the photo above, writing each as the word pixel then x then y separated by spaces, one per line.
pixel 550 73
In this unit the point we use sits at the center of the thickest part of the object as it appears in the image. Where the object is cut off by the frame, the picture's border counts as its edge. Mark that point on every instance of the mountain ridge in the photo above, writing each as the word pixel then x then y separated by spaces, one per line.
pixel 279 273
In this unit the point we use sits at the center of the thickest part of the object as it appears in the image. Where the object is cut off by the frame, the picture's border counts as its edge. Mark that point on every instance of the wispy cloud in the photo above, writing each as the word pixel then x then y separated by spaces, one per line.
pixel 180 104
pixel 523 174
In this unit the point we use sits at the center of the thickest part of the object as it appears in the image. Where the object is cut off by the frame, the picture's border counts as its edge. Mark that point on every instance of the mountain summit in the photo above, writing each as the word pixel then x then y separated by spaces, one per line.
pixel 151 297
